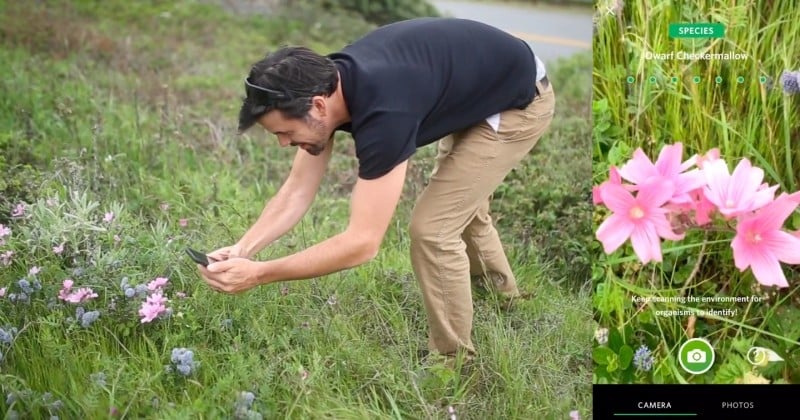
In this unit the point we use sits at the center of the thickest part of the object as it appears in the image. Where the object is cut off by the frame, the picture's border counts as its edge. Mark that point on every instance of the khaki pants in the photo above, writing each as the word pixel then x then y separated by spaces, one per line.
pixel 452 236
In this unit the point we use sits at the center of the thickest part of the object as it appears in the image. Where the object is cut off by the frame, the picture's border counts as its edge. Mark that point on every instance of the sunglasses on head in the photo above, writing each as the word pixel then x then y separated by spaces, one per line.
pixel 265 97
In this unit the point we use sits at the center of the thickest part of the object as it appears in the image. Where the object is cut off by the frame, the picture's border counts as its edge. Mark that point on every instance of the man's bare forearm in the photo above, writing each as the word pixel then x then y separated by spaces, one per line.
pixel 337 253
pixel 280 214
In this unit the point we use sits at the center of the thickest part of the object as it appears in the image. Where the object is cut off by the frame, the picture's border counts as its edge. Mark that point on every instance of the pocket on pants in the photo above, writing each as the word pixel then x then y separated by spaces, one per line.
pixel 518 125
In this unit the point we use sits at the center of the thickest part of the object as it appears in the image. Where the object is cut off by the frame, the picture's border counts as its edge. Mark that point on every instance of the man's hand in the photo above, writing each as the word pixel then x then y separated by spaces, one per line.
pixel 227 252
pixel 233 275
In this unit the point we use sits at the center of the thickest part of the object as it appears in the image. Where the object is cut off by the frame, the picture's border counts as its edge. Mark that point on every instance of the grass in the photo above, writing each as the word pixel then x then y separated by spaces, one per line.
pixel 753 120
pixel 130 109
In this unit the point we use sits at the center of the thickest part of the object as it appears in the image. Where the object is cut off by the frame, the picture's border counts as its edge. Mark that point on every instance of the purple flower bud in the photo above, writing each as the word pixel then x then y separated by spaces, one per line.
pixel 791 81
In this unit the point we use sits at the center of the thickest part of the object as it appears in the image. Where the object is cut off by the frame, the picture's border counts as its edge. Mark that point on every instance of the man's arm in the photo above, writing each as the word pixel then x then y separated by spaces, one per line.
pixel 289 204
pixel 372 206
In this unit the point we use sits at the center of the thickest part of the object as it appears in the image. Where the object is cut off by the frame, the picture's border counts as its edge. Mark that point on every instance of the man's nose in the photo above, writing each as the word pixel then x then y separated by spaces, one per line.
pixel 284 141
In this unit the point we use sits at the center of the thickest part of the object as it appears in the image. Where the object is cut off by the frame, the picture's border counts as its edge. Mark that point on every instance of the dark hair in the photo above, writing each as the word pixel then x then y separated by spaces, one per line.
pixel 286 80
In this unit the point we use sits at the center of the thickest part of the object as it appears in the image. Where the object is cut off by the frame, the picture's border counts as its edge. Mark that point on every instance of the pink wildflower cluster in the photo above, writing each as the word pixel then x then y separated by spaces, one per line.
pixel 81 295
pixel 156 303
pixel 4 231
pixel 662 199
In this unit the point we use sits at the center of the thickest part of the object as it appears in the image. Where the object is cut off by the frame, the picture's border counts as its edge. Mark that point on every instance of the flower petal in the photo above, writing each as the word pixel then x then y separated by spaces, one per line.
pixel 639 169
pixel 613 232
pixel 766 268
pixel 616 197
pixel 772 216
pixel 717 180
pixel 763 197
pixel 741 252
pixel 655 193
pixel 783 245
pixel 668 163
pixel 689 181
pixel 663 227
pixel 646 243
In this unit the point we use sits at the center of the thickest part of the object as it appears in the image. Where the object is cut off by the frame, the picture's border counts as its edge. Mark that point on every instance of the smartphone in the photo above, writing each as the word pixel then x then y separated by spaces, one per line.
pixel 199 257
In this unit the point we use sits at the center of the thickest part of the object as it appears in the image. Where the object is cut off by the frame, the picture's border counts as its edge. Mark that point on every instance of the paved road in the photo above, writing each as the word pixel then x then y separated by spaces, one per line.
pixel 551 31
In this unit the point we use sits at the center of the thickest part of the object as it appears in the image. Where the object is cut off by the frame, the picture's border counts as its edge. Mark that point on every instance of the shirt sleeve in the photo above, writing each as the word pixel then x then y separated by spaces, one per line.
pixel 383 141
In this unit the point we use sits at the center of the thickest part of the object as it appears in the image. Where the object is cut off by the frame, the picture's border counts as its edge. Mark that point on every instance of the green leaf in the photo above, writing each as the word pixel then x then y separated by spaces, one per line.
pixel 620 152
pixel 625 356
pixel 733 368
pixel 602 355
pixel 615 340
pixel 741 345
pixel 613 363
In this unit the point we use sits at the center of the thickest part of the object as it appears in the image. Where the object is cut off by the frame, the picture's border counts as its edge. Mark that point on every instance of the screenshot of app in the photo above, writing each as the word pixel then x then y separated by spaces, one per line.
pixel 696 166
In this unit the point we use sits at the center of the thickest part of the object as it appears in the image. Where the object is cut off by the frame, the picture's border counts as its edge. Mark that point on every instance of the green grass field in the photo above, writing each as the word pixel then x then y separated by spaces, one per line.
pixel 117 131
pixel 647 103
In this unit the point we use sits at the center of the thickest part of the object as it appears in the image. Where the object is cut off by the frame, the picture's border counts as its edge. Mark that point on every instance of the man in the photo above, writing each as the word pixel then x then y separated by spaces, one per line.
pixel 402 86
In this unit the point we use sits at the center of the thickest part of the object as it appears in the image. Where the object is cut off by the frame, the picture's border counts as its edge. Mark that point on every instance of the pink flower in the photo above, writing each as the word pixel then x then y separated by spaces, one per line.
pixel 152 307
pixel 710 156
pixel 58 249
pixel 761 245
pixel 183 222
pixel 5 257
pixel 19 210
pixel 702 207
pixel 117 238
pixel 668 166
pixel 84 294
pixel 164 206
pixel 642 219
pixel 574 415
pixel 108 217
pixel 613 178
pixel 158 283
pixel 736 193
pixel 180 295
pixel 2 292
pixel 34 271
pixel 4 230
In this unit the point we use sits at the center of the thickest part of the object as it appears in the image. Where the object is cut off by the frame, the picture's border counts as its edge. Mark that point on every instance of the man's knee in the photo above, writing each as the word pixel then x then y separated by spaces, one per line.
pixel 420 231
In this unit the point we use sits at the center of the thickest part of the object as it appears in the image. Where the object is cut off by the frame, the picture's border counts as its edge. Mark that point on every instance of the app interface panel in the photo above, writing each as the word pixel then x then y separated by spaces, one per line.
pixel 696 170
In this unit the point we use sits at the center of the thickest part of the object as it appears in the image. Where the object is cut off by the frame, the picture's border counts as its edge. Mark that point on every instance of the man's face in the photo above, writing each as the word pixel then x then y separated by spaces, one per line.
pixel 310 133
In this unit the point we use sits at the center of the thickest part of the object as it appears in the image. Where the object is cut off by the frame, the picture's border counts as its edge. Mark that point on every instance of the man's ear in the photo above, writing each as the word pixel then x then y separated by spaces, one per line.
pixel 320 104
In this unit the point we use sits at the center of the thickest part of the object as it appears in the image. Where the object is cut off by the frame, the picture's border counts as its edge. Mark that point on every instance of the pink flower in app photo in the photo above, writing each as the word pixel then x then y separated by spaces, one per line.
pixel 613 178
pixel 761 244
pixel 668 166
pixel 58 249
pixel 108 217
pixel 709 156
pixel 183 222
pixel 641 218
pixel 737 193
